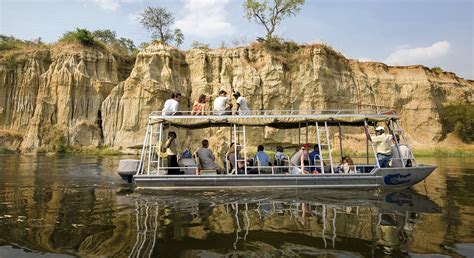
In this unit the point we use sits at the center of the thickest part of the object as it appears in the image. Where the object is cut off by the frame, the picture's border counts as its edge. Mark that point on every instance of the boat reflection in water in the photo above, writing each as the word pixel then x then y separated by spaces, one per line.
pixel 279 223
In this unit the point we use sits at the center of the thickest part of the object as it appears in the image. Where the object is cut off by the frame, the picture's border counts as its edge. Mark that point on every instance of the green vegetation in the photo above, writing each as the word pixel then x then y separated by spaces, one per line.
pixel 437 69
pixel 459 118
pixel 271 14
pixel 197 44
pixel 12 43
pixel 81 36
pixel 276 44
pixel 90 151
pixel 6 151
pixel 158 20
pixel 102 39
pixel 442 152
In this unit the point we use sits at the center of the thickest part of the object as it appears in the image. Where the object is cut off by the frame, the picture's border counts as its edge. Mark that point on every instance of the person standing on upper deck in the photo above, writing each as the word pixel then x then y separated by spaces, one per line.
pixel 170 107
pixel 222 105
pixel 242 108
pixel 382 142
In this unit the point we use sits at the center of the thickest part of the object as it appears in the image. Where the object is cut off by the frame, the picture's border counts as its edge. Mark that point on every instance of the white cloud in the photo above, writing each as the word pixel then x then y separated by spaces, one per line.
pixel 110 5
pixel 205 19
pixel 407 56
pixel 133 18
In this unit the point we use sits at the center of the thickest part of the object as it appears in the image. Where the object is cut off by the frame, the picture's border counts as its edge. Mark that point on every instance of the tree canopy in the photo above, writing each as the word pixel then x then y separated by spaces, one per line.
pixel 158 20
pixel 270 13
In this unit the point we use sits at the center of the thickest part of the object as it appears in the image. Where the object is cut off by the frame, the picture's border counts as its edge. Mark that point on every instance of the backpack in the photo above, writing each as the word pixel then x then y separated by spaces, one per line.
pixel 187 154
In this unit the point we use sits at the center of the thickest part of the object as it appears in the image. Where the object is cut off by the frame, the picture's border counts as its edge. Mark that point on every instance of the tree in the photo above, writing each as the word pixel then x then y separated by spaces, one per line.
pixel 158 21
pixel 106 36
pixel 128 44
pixel 271 14
pixel 178 37
pixel 197 44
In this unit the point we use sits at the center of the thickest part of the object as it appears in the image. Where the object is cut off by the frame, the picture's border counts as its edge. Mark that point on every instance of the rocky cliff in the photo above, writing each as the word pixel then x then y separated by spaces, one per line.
pixel 71 96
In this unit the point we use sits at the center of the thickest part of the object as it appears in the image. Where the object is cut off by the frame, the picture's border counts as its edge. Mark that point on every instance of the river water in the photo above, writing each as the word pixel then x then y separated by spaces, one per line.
pixel 77 206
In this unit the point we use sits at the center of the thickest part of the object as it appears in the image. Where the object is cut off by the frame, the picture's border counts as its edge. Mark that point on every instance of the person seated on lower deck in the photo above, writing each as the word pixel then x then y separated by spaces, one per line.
pixel 299 159
pixel 280 158
pixel 235 159
pixel 315 160
pixel 347 165
pixel 404 154
pixel 207 159
pixel 261 160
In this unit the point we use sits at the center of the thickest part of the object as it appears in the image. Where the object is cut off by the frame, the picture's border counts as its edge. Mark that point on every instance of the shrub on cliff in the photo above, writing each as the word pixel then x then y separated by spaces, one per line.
pixel 459 118
pixel 10 43
pixel 437 69
pixel 81 36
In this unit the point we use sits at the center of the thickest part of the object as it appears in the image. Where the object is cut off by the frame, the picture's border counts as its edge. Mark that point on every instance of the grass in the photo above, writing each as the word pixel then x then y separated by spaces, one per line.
pixel 6 151
pixel 88 151
pixel 441 152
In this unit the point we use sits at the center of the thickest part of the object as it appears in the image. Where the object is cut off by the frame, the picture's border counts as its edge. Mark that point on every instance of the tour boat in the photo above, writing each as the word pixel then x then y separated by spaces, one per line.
pixel 149 172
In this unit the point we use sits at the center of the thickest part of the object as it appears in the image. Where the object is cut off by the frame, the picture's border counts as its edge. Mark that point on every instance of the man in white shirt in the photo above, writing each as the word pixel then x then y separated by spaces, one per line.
pixel 242 108
pixel 171 105
pixel 397 156
pixel 382 142
pixel 222 105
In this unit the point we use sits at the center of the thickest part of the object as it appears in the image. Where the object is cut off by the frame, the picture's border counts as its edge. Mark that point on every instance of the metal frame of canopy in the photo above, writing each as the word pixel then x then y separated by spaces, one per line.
pixel 282 119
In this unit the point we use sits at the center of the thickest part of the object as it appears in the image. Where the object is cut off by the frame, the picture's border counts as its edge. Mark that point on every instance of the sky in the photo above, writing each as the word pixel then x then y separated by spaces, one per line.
pixel 396 32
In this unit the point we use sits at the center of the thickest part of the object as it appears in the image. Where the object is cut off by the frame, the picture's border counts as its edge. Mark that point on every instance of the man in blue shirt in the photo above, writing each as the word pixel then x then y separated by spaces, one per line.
pixel 262 157
pixel 315 155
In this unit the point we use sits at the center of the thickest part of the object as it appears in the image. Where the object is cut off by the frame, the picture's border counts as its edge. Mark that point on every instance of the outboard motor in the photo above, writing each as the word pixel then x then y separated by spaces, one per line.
pixel 127 168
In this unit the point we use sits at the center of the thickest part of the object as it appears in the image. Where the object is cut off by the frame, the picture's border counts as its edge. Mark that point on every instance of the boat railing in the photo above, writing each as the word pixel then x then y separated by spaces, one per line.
pixel 270 170
pixel 273 112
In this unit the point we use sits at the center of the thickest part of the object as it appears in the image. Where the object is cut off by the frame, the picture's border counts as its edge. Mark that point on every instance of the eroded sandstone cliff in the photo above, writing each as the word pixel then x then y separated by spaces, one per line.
pixel 67 96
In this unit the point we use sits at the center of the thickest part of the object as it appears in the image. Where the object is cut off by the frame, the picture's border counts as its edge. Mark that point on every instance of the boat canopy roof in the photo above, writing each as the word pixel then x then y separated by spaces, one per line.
pixel 273 118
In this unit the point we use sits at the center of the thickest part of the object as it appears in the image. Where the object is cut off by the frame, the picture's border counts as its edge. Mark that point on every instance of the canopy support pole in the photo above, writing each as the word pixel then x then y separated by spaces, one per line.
pixel 340 138
pixel 160 138
pixel 150 148
pixel 306 133
pixel 143 156
pixel 299 134
pixel 366 127
pixel 397 144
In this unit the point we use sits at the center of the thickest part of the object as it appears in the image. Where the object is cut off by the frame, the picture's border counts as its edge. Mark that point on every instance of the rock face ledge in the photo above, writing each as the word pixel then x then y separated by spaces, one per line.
pixel 83 97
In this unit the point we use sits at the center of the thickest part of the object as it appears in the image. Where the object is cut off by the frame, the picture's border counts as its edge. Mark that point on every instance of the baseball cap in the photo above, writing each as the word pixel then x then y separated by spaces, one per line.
pixel 380 128
pixel 236 94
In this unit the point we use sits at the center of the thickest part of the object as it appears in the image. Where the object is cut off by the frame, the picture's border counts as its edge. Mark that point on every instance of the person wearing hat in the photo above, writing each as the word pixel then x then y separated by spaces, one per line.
pixel 299 159
pixel 382 142
pixel 242 108
pixel 222 105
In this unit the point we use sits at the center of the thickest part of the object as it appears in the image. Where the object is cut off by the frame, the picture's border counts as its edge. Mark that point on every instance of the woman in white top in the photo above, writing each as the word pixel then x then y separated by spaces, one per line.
pixel 242 107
